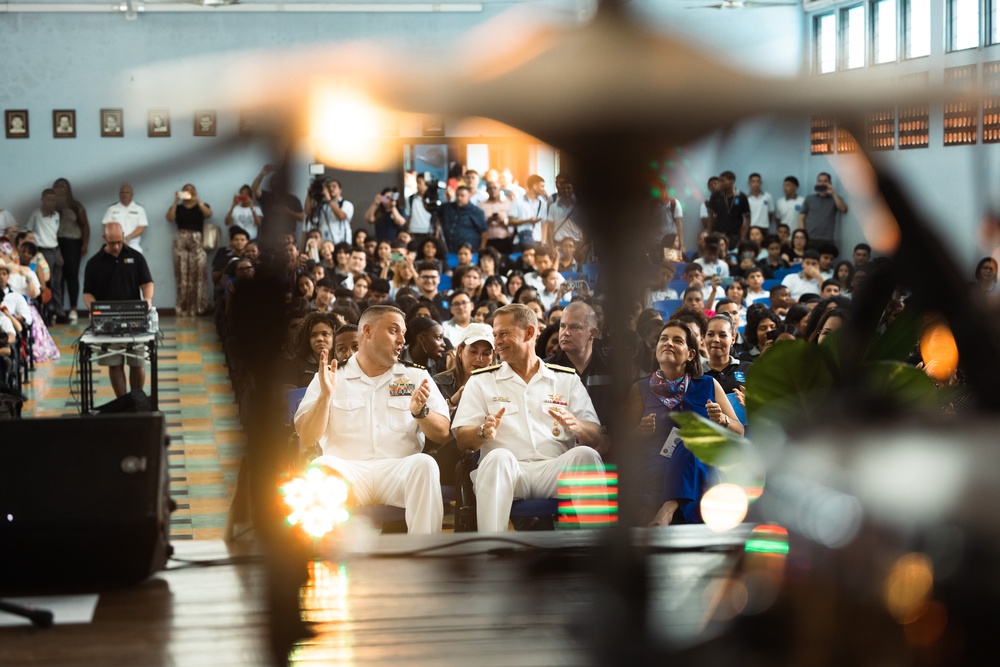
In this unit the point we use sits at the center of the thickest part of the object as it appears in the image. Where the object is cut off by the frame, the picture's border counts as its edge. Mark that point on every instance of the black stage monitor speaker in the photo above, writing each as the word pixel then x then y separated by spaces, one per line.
pixel 84 502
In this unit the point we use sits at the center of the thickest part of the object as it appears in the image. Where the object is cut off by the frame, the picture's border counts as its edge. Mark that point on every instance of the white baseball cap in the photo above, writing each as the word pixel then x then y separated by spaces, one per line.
pixel 476 332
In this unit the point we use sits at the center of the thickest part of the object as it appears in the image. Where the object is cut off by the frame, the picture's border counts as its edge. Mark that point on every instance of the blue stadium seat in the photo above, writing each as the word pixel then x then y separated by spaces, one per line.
pixel 678 286
pixel 445 284
pixel 569 275
pixel 769 283
pixel 741 412
pixel 667 306
pixel 780 274
pixel 766 302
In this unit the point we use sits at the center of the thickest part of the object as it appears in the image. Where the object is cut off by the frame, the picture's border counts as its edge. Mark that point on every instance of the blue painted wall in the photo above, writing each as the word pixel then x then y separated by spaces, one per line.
pixel 89 61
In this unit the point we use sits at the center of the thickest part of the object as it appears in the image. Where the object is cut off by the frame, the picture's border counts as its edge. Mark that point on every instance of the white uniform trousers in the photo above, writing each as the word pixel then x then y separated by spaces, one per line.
pixel 501 479
pixel 412 482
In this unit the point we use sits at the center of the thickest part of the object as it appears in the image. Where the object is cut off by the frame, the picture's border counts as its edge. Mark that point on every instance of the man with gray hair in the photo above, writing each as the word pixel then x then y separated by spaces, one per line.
pixel 577 332
pixel 371 419
pixel 532 421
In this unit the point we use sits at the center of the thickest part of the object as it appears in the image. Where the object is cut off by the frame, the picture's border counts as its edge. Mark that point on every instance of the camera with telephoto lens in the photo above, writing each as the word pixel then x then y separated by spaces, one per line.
pixel 317 186
pixel 432 195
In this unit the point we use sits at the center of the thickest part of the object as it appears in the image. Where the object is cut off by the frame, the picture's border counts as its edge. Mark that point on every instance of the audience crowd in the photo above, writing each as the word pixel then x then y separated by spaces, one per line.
pixel 764 270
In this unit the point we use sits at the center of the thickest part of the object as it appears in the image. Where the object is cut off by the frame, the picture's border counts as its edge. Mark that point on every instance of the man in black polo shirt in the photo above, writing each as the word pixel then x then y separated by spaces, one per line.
pixel 118 273
pixel 729 210
pixel 577 331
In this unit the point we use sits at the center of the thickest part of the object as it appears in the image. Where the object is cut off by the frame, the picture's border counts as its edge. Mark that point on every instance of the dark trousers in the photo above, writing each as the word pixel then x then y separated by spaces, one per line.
pixel 70 249
pixel 503 246
pixel 55 277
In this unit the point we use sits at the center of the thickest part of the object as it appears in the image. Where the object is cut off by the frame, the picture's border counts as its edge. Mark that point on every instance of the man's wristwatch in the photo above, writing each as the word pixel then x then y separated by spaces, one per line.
pixel 482 431
pixel 424 411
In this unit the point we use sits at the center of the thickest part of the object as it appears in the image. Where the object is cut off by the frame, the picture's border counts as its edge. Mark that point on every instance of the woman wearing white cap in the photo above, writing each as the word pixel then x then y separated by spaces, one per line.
pixel 475 351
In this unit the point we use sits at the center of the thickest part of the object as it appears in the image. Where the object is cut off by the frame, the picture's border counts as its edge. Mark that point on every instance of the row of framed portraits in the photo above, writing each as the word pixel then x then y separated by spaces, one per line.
pixel 112 123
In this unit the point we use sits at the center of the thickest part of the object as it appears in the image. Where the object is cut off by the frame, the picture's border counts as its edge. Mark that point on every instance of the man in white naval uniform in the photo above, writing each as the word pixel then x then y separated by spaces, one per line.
pixel 531 420
pixel 371 418
pixel 131 216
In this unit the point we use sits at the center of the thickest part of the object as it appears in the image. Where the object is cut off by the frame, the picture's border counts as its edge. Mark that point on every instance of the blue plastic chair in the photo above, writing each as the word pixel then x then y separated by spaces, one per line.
pixel 569 275
pixel 667 306
pixel 780 274
pixel 770 282
pixel 678 286
pixel 741 412
pixel 465 505
pixel 445 284
pixel 452 259
pixel 295 397
pixel 591 271
pixel 766 301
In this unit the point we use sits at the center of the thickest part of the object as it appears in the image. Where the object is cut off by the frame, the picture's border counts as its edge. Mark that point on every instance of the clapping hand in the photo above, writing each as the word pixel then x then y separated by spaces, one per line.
pixel 741 395
pixel 492 424
pixel 566 418
pixel 419 398
pixel 327 375
pixel 646 425
pixel 714 411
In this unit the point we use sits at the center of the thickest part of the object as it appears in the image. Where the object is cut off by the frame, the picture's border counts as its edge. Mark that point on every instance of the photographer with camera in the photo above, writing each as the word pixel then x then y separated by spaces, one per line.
pixel 384 213
pixel 819 212
pixel 423 205
pixel 328 211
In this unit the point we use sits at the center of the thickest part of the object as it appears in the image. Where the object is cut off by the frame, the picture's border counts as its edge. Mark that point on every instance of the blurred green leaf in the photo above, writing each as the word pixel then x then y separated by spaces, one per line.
pixel 899 339
pixel 711 443
pixel 789 381
pixel 901 384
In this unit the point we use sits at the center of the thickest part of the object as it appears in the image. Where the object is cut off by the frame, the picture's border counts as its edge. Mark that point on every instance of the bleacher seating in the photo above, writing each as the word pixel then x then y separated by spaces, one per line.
pixel 667 306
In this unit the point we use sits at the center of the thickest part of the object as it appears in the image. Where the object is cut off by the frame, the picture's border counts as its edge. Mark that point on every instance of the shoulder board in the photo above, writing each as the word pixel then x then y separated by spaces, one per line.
pixel 488 369
pixel 410 364
pixel 561 369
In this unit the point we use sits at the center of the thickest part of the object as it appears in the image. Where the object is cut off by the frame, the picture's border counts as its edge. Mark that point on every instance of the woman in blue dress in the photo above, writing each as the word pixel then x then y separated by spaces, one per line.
pixel 673 480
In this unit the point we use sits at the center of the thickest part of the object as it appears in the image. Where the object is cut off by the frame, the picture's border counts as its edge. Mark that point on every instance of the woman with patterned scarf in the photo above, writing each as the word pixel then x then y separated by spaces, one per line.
pixel 673 480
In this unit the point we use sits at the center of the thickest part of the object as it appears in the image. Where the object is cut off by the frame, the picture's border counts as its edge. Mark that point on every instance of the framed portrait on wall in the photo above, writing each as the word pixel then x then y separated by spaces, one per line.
pixel 16 122
pixel 433 126
pixel 112 123
pixel 158 123
pixel 204 123
pixel 64 123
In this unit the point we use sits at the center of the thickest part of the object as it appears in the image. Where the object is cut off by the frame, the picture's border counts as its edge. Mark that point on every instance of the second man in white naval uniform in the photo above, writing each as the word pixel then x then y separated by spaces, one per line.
pixel 532 421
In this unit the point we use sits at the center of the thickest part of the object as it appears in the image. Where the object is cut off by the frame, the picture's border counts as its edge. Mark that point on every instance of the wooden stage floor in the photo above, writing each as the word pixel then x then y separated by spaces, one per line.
pixel 504 607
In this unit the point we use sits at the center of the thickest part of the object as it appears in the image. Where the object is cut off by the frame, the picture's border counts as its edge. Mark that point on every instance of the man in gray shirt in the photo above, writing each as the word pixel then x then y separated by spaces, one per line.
pixel 819 212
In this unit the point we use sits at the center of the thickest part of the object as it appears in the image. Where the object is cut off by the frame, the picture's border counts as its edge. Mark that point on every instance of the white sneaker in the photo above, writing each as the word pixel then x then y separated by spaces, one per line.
pixel 73 317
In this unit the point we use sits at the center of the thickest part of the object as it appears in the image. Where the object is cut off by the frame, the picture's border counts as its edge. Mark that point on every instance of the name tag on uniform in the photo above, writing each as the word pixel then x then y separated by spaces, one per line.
pixel 671 443
pixel 401 387
pixel 555 399
pixel 500 399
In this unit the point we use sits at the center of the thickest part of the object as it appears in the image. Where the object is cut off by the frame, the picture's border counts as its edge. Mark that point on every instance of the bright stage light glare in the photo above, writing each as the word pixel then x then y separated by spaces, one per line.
pixel 317 501
pixel 724 507
pixel 346 128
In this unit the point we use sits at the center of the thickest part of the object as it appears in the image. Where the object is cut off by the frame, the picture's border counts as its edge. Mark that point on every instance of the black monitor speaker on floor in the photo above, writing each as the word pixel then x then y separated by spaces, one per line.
pixel 84 501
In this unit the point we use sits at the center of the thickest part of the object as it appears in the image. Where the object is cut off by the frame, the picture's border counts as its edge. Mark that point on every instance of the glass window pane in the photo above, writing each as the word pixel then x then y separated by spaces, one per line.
pixel 885 31
pixel 854 36
pixel 826 43
pixel 994 20
pixel 918 28
pixel 964 24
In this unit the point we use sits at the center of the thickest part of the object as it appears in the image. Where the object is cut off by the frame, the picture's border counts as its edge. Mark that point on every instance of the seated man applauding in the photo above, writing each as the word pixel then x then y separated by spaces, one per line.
pixel 370 418
pixel 531 420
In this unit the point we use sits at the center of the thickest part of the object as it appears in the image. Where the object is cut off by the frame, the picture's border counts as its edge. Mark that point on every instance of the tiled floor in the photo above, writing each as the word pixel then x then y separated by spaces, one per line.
pixel 206 441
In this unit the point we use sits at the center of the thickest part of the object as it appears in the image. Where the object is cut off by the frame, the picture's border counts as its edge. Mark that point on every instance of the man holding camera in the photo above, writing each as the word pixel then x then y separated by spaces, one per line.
pixel 463 222
pixel 819 212
pixel 329 212
pixel 384 213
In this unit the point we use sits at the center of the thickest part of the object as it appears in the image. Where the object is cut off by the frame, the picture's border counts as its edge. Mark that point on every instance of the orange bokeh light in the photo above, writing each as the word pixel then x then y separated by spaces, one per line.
pixel 939 351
